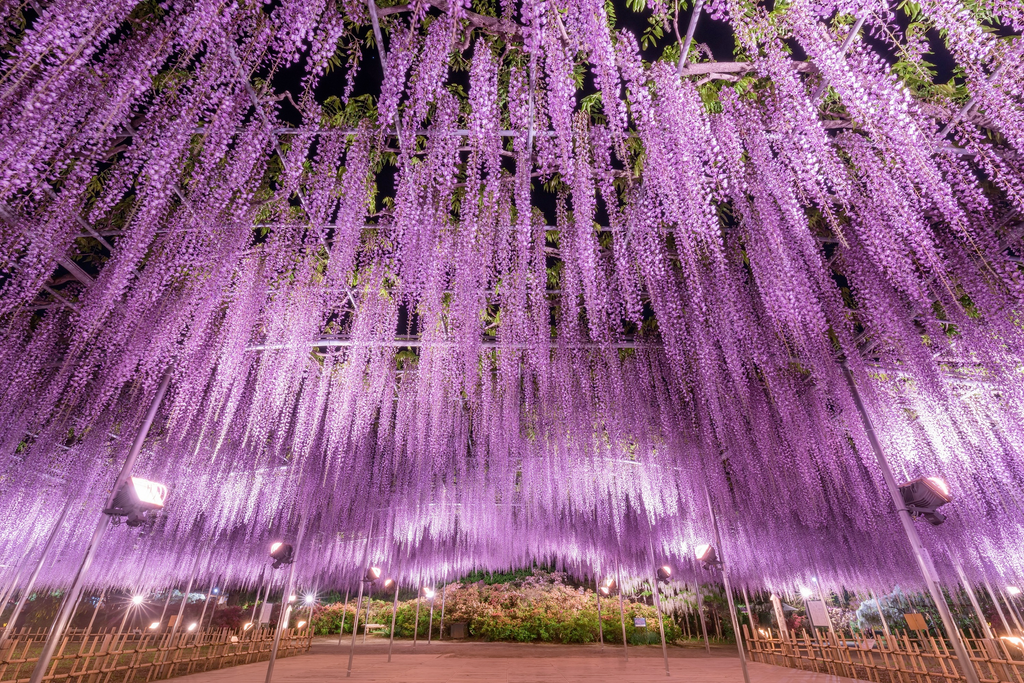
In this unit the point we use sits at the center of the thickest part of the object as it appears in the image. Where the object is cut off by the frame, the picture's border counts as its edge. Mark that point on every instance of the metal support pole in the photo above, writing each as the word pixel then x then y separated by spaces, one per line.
pixel 920 552
pixel 369 597
pixel 430 623
pixel 750 615
pixel 344 615
pixel 167 602
pixel 656 592
pixel 1013 609
pixel 416 627
pixel 259 592
pixel 684 51
pixel 70 602
pixel 96 610
pixel 986 630
pixel 728 589
pixel 999 608
pixel 622 612
pixel 209 596
pixel 881 615
pixel 440 629
pixel 359 602
pixel 35 574
pixel 184 597
pixel 600 626
pixel 661 623
pixel 282 618
pixel 394 614
pixel 700 613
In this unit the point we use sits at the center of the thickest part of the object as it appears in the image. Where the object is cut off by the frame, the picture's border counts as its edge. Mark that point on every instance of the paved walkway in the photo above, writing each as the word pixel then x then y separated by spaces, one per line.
pixel 465 662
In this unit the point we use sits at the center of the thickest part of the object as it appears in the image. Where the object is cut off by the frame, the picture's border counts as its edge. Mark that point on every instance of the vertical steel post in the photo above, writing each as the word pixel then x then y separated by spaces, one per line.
pixel 35 574
pixel 394 613
pixel 1013 609
pixel 167 602
pixel 924 560
pixel 986 630
pixel 657 600
pixel 728 589
pixel 359 601
pixel 96 610
pixel 600 625
pixel 430 623
pixel 622 610
pixel 881 615
pixel 700 613
pixel 416 626
pixel 344 616
pixel 184 597
pixel 70 602
pixel 282 618
pixel 440 629
pixel 999 608
pixel 369 598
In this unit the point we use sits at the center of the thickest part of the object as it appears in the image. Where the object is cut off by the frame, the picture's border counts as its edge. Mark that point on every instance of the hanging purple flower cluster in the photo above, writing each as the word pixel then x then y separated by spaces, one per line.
pixel 523 299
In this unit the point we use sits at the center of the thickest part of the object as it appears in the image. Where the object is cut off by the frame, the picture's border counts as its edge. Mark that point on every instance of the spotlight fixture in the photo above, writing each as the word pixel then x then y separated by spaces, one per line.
pixel 387 582
pixel 300 624
pixel 135 499
pixel 192 626
pixel 707 556
pixel 291 598
pixel 137 599
pixel 155 625
pixel 428 593
pixel 247 626
pixel 806 592
pixel 1013 590
pixel 924 496
pixel 664 572
pixel 282 553
pixel 309 599
pixel 372 574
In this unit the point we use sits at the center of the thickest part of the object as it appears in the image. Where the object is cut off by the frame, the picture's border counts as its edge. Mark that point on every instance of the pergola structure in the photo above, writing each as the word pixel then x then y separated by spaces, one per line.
pixel 441 287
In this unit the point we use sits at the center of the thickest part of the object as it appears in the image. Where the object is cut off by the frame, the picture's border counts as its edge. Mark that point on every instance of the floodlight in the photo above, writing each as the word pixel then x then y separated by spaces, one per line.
pixel 372 574
pixel 291 598
pixel 706 555
pixel 155 625
pixel 282 554
pixel 664 572
pixel 806 592
pixel 300 624
pixel 310 599
pixel 247 626
pixel 924 496
pixel 137 599
pixel 135 498
pixel 428 593
pixel 192 626
pixel 609 582
pixel 388 582
pixel 1013 590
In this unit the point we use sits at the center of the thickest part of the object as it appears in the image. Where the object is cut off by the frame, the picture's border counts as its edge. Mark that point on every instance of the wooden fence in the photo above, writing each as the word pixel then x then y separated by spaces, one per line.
pixel 898 658
pixel 111 657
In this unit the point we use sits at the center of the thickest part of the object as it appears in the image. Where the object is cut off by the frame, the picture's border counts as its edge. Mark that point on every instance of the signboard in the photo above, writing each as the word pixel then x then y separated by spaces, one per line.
pixel 268 607
pixel 172 620
pixel 639 622
pixel 915 621
pixel 819 615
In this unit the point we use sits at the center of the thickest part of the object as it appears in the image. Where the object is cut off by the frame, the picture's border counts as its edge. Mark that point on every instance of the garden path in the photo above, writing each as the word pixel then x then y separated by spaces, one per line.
pixel 470 662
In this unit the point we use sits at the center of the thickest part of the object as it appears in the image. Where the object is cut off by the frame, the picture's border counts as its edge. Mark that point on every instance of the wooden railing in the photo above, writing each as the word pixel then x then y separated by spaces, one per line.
pixel 111 657
pixel 898 658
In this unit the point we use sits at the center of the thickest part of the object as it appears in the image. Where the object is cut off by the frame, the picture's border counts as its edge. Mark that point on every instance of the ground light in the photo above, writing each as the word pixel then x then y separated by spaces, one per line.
pixel 664 573
pixel 300 624
pixel 137 599
pixel 155 625
pixel 372 574
pixel 192 626
pixel 806 592
pixel 924 496
pixel 247 626
pixel 282 553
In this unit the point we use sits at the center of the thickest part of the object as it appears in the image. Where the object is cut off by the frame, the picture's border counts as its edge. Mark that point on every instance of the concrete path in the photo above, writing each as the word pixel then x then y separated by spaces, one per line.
pixel 464 662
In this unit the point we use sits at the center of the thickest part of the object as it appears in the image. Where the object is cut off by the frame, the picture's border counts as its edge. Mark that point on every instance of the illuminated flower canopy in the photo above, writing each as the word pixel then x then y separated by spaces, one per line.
pixel 518 295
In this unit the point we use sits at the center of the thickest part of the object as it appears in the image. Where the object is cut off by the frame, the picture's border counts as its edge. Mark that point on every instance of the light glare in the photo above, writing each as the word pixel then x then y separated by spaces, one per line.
pixel 137 599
